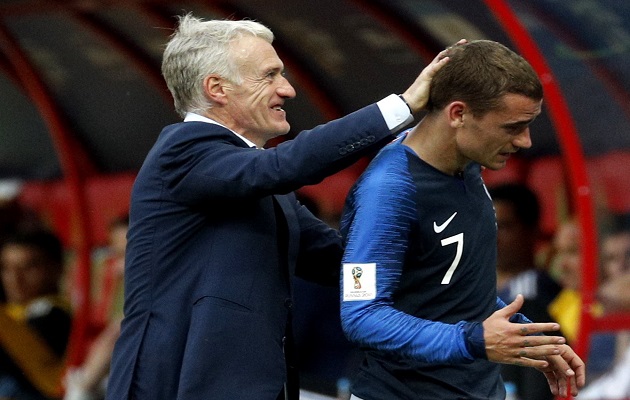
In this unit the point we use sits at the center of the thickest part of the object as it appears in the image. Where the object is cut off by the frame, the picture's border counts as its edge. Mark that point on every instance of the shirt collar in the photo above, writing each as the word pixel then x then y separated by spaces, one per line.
pixel 193 117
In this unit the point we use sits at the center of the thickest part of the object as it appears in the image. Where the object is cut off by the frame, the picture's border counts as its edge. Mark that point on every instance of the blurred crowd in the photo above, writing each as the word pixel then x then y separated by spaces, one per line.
pixel 36 315
pixel 547 271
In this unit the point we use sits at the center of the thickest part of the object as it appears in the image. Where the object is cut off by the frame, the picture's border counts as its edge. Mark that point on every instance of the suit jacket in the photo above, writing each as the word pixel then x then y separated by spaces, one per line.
pixel 215 235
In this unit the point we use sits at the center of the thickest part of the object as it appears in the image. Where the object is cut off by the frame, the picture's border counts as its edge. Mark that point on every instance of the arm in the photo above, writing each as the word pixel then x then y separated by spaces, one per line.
pixel 201 161
pixel 378 236
pixel 320 249
pixel 218 169
pixel 82 382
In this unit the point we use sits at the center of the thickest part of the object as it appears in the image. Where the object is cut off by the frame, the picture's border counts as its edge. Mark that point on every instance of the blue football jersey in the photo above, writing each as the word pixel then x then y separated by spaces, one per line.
pixel 419 277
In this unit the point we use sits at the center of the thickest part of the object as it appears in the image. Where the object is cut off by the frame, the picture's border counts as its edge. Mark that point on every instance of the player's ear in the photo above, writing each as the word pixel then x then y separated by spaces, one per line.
pixel 455 113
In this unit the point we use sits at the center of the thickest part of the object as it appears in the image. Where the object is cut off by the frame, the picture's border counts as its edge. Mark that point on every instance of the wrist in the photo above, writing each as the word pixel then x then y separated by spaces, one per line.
pixel 474 339
pixel 406 103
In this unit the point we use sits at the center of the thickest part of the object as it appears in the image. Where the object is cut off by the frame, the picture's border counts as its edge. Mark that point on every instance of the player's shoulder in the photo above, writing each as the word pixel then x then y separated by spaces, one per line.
pixel 387 178
pixel 389 163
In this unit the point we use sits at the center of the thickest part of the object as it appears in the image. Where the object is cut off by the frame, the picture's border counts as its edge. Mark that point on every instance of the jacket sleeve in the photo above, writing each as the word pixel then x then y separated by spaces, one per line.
pixel 320 250
pixel 195 170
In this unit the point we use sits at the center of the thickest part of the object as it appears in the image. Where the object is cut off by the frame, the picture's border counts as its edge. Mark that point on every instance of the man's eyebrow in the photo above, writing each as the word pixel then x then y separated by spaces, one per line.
pixel 517 124
pixel 269 71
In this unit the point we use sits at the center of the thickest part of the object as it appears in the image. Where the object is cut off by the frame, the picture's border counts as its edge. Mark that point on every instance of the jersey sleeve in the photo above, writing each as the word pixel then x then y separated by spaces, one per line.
pixel 378 219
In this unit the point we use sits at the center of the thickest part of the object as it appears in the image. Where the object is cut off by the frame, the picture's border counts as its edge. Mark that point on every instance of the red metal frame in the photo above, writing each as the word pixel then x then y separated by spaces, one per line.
pixel 74 166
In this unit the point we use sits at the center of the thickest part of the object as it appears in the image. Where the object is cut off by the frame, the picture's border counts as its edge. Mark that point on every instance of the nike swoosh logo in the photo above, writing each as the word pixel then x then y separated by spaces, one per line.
pixel 439 228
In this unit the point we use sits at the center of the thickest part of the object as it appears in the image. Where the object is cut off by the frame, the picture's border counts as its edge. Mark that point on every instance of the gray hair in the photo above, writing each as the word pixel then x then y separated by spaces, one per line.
pixel 199 48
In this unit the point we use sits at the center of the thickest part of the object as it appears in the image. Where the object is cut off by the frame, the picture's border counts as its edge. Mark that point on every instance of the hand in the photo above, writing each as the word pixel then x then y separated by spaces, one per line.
pixel 563 368
pixel 512 343
pixel 417 95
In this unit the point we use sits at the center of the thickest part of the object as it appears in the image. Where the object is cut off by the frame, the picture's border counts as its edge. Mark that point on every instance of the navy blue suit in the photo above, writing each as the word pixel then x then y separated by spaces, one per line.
pixel 215 235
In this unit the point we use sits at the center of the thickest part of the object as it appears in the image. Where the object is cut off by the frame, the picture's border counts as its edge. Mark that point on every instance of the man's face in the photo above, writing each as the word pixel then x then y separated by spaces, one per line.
pixel 255 106
pixel 568 256
pixel 615 255
pixel 25 274
pixel 492 138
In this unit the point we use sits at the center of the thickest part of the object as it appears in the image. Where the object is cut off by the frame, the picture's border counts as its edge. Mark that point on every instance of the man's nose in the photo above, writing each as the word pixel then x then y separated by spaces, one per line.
pixel 523 140
pixel 285 89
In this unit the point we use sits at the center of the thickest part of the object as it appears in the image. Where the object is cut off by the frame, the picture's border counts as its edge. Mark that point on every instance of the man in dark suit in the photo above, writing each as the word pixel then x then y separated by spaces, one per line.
pixel 216 232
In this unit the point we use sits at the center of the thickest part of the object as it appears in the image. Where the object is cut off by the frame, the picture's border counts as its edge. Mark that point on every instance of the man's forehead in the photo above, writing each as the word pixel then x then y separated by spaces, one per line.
pixel 258 63
pixel 519 107
pixel 252 49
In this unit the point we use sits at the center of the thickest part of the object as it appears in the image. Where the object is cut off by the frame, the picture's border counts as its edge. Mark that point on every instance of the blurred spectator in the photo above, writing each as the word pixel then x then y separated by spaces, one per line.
pixel 613 293
pixel 13 215
pixel 567 306
pixel 88 381
pixel 518 219
pixel 109 297
pixel 615 269
pixel 567 262
pixel 35 319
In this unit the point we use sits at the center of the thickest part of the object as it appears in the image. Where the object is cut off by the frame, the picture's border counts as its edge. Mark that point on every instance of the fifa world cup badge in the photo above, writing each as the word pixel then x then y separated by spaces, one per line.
pixel 359 281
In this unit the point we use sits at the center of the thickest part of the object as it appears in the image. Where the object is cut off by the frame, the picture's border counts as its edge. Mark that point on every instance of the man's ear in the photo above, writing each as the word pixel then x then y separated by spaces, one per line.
pixel 455 112
pixel 213 87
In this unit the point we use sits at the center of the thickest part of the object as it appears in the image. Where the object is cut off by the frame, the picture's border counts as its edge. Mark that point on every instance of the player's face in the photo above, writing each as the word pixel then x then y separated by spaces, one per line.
pixel 255 106
pixel 491 139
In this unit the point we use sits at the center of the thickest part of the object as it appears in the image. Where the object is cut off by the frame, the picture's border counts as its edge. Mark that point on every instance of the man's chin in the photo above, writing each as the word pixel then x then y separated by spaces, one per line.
pixel 270 136
pixel 494 166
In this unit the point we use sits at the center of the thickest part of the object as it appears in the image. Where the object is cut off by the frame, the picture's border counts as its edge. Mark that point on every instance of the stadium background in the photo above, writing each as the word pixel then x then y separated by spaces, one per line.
pixel 82 100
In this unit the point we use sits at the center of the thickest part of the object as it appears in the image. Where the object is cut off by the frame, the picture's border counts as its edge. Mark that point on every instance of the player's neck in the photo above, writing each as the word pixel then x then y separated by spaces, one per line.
pixel 435 144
